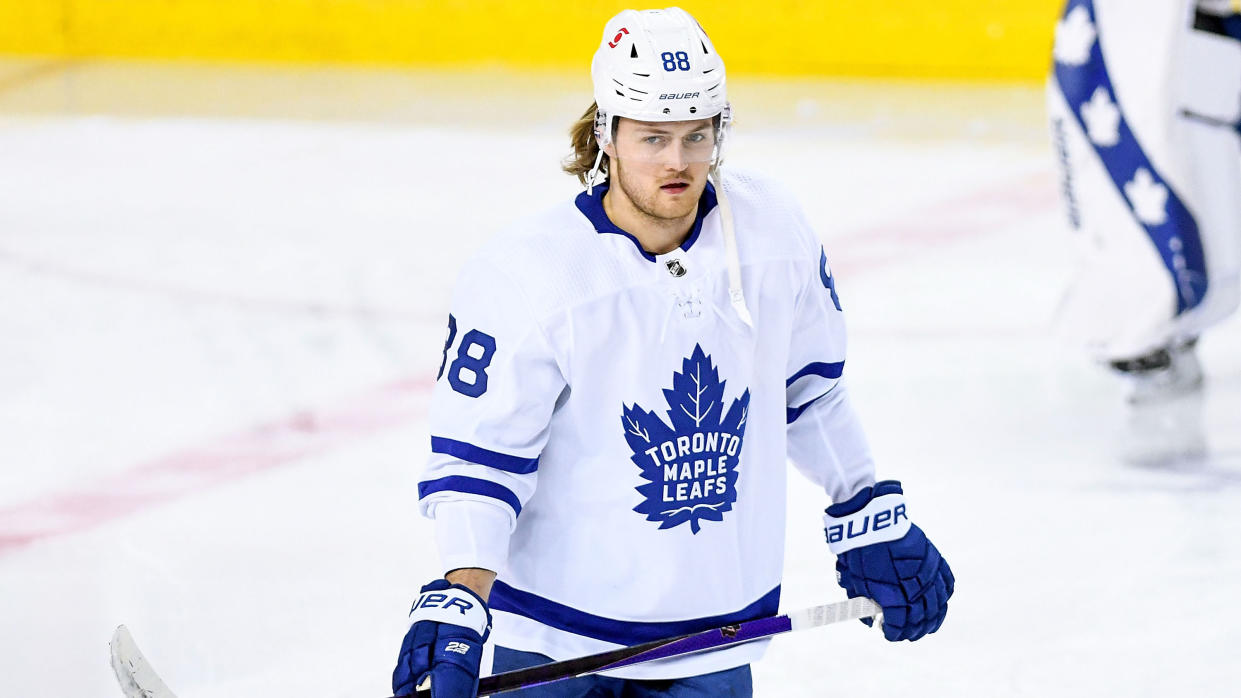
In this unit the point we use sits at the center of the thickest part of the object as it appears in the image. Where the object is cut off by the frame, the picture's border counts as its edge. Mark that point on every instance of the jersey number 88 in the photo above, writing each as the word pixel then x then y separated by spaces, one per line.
pixel 468 372
pixel 675 61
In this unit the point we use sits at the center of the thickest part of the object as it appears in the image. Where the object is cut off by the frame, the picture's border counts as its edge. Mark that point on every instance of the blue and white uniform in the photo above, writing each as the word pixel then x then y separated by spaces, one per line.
pixel 612 438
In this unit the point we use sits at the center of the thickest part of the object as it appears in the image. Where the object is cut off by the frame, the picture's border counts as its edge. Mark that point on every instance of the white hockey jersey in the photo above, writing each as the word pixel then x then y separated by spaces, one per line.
pixel 612 439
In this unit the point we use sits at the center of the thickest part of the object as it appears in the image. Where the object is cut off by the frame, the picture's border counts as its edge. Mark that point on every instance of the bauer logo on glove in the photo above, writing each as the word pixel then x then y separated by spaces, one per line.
pixel 447 623
pixel 882 556
pixel 884 519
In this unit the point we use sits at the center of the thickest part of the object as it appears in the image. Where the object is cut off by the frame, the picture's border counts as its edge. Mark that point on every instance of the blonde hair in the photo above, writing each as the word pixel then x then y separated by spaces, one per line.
pixel 585 147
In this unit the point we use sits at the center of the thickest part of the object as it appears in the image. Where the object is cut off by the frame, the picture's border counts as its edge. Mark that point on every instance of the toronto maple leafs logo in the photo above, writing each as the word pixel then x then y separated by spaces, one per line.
pixel 690 465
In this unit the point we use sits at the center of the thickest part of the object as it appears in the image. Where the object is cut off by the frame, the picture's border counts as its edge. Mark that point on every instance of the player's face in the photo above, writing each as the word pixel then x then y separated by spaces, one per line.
pixel 661 167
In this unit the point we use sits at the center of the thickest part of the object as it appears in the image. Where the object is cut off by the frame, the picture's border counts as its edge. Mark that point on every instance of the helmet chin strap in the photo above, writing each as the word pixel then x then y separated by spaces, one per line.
pixel 593 174
pixel 721 133
pixel 735 293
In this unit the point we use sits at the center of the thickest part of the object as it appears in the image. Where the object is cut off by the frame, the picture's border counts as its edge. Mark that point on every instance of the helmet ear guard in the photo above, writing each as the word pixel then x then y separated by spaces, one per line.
pixel 602 128
pixel 602 131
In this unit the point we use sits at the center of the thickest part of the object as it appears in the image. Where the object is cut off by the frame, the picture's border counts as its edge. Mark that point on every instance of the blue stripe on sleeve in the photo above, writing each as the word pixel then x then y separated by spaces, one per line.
pixel 470 485
pixel 818 368
pixel 619 632
pixel 492 459
pixel 793 413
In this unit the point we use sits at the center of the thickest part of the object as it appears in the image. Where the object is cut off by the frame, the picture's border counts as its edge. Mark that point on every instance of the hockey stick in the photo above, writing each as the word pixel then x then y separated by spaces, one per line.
pixel 675 647
pixel 139 680
pixel 133 671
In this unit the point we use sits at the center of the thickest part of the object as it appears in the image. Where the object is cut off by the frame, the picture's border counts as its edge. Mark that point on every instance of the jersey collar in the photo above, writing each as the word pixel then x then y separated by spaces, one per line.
pixel 591 206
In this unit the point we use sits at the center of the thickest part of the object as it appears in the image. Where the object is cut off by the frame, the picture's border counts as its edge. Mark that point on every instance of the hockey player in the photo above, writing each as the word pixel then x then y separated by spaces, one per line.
pixel 1145 105
pixel 625 379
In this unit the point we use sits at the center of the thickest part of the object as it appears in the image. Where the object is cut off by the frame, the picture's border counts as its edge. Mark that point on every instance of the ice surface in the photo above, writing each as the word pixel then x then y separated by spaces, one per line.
pixel 224 298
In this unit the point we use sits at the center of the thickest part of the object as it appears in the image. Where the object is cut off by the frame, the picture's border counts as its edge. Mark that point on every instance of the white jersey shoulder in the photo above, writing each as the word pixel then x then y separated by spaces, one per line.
pixel 770 216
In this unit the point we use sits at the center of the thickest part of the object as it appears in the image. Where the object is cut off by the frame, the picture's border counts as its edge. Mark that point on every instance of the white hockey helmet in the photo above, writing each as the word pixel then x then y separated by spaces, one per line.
pixel 658 65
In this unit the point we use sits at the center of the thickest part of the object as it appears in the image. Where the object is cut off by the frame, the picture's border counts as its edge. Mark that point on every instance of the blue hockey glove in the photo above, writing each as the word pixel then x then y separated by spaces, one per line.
pixel 449 624
pixel 880 555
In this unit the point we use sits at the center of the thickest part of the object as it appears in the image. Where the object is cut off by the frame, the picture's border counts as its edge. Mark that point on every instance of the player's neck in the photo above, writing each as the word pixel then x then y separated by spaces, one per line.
pixel 656 235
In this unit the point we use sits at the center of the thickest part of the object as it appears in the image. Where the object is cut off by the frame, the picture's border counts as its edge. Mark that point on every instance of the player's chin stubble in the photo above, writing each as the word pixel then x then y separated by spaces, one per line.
pixel 649 202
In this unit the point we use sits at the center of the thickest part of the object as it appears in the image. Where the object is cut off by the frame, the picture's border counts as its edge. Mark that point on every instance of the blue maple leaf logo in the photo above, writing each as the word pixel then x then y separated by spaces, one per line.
pixel 691 462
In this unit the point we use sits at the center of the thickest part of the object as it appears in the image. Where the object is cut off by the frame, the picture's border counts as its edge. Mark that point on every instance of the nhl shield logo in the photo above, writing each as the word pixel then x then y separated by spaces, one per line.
pixel 675 267
pixel 690 464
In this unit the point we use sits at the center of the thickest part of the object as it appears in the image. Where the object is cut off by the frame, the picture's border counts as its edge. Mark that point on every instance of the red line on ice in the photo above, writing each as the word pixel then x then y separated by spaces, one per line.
pixel 182 473
pixel 970 216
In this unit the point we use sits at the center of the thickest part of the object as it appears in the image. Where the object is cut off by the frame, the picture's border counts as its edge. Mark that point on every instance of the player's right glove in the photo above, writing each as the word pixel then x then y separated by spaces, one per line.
pixel 880 555
pixel 449 624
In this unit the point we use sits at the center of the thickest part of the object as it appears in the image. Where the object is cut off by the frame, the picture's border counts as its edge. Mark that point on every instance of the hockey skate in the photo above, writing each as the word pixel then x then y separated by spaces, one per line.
pixel 1164 423
pixel 1161 375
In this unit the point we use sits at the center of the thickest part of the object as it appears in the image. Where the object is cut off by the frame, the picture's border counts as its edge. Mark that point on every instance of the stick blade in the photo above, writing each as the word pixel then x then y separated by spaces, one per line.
pixel 133 671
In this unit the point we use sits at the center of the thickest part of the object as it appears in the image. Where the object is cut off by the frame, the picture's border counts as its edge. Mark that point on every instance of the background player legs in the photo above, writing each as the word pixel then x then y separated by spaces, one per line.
pixel 1156 195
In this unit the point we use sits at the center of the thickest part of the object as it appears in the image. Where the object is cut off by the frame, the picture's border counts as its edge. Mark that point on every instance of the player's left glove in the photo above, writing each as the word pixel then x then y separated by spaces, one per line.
pixel 880 555
pixel 449 624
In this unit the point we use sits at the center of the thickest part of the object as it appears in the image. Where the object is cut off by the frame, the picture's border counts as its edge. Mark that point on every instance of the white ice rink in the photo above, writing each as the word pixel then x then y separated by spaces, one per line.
pixel 222 303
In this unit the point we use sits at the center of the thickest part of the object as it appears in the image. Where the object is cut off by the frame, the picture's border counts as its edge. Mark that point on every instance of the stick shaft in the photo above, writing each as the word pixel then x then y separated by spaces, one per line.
pixel 680 646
